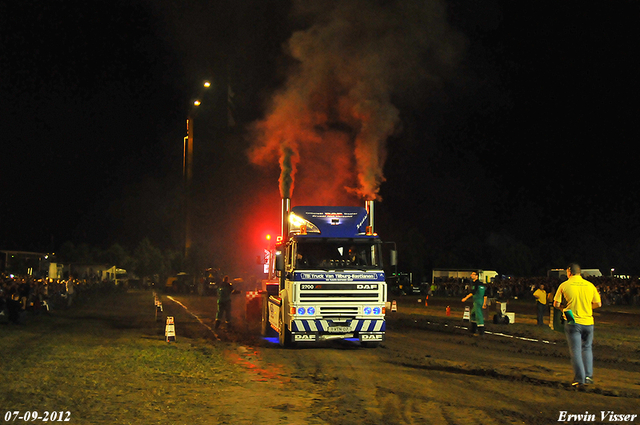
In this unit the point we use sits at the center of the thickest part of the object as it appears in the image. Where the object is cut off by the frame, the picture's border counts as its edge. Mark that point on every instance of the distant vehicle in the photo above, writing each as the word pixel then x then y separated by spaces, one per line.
pixel 403 284
pixel 209 282
pixel 181 283
pixel 485 276
pixel 562 273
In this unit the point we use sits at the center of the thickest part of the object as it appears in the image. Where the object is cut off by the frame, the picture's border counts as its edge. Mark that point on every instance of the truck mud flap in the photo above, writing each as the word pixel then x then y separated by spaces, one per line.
pixel 301 337
pixel 371 337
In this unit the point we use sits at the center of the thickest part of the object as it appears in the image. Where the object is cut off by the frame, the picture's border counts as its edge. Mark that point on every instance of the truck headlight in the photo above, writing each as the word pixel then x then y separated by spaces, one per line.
pixel 302 311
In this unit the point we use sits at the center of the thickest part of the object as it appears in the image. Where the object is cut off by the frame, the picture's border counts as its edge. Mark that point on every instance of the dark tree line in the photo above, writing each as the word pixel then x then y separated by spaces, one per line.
pixel 145 260
pixel 509 255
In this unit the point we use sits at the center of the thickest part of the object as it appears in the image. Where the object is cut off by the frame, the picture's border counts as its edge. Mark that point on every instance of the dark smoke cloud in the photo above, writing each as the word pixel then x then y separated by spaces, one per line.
pixel 352 60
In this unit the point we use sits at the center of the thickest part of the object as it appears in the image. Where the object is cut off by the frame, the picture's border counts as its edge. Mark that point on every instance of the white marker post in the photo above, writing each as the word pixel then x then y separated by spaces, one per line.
pixel 170 330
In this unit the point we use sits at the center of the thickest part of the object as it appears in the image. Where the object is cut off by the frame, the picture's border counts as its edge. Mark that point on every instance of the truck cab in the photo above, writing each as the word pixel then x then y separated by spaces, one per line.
pixel 331 279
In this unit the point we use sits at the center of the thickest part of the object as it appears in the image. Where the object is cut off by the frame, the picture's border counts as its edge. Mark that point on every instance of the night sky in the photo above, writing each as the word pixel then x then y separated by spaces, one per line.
pixel 510 144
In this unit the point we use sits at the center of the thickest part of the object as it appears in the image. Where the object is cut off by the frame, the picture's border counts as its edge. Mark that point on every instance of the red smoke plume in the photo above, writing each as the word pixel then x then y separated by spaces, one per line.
pixel 330 123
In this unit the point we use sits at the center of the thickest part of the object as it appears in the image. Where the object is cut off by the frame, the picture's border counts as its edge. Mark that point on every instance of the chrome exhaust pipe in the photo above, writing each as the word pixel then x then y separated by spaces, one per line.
pixel 286 209
pixel 370 211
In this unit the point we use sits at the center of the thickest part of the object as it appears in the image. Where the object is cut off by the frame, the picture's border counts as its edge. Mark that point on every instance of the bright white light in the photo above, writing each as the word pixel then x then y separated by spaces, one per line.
pixel 296 221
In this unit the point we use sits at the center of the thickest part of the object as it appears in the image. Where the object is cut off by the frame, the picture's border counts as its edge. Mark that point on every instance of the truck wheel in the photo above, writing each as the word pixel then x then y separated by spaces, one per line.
pixel 285 337
pixel 264 329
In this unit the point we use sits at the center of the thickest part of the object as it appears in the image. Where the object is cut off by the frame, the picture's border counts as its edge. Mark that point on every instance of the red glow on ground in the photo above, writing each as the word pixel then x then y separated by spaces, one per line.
pixel 250 361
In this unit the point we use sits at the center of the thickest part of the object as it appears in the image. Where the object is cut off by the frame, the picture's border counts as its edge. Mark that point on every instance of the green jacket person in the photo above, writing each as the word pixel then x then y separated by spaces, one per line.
pixel 479 302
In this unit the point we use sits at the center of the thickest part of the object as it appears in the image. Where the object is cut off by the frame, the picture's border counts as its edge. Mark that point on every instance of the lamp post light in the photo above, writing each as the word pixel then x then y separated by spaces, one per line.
pixel 187 173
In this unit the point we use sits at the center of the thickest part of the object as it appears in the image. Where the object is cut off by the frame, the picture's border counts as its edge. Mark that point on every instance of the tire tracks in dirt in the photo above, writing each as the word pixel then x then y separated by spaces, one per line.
pixel 418 376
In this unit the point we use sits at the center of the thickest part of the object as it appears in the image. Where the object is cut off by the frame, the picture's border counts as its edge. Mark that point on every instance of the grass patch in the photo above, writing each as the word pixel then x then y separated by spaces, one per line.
pixel 106 361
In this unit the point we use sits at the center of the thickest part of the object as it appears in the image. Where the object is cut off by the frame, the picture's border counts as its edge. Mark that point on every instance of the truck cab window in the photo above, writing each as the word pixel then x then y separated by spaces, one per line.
pixel 336 255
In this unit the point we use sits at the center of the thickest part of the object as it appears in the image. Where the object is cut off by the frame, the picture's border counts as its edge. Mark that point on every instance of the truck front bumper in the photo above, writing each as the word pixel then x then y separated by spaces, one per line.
pixel 365 330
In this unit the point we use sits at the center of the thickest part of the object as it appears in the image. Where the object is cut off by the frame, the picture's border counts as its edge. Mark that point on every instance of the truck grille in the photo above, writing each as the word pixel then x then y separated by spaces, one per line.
pixel 338 311
pixel 347 292
pixel 338 297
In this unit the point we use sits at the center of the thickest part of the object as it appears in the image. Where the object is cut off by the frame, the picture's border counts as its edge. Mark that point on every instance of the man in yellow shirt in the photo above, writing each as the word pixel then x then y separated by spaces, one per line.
pixel 579 297
pixel 541 303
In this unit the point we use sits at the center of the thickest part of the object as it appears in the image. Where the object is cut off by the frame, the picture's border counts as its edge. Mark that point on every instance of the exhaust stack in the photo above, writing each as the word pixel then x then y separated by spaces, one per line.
pixel 286 209
pixel 370 211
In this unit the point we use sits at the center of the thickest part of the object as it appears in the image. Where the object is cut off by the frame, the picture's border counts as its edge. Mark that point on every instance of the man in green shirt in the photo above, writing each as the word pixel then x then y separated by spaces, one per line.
pixel 479 303
pixel 578 297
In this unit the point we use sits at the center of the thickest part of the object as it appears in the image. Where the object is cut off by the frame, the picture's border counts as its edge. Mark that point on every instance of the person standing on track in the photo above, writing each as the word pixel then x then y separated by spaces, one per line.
pixel 224 302
pixel 479 303
pixel 541 303
pixel 580 297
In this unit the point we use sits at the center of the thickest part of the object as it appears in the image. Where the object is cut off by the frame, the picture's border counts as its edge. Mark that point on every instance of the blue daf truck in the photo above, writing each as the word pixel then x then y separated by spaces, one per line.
pixel 330 282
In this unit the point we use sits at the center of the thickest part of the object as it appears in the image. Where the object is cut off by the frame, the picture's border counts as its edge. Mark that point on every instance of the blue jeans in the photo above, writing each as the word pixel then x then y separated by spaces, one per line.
pixel 540 309
pixel 580 339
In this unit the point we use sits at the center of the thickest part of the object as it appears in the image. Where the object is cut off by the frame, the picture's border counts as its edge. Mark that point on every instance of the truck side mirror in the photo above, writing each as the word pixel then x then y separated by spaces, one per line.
pixel 279 261
pixel 393 257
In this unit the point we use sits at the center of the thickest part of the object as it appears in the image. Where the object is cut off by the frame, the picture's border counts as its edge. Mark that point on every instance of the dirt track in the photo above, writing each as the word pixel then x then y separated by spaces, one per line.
pixel 430 370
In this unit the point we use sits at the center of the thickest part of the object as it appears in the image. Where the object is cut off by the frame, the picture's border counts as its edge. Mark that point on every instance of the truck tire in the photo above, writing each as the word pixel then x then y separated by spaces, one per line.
pixel 285 337
pixel 264 328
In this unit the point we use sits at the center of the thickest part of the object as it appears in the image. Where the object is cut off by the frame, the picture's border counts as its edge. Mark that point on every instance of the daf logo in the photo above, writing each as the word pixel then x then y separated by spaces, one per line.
pixel 370 337
pixel 305 337
pixel 367 286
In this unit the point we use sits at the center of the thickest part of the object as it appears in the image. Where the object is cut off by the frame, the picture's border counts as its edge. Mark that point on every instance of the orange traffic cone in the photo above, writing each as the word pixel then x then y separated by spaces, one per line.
pixel 426 301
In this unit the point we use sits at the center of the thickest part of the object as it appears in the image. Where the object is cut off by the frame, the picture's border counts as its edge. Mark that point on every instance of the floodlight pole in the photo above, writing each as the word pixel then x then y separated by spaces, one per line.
pixel 187 174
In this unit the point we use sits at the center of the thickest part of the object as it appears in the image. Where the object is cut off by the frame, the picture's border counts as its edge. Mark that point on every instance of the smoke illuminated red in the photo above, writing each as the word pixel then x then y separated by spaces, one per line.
pixel 329 125
pixel 329 148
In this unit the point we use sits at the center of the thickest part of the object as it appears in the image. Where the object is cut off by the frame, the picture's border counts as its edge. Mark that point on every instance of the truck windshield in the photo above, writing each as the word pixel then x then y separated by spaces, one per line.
pixel 338 254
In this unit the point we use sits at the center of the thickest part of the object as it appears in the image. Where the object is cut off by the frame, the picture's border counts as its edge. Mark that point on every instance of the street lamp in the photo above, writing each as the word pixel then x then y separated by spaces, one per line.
pixel 187 170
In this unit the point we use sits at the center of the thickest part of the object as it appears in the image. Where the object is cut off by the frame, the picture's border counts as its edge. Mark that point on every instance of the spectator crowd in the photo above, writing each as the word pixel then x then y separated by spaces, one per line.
pixel 23 295
pixel 613 290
